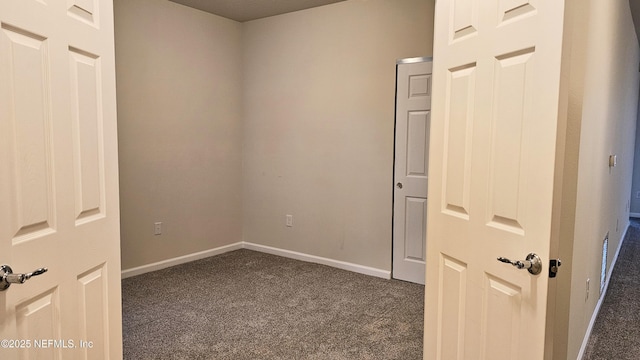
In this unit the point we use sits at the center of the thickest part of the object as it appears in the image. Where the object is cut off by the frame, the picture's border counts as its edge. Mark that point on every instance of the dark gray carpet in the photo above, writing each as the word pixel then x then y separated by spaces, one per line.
pixel 249 305
pixel 616 332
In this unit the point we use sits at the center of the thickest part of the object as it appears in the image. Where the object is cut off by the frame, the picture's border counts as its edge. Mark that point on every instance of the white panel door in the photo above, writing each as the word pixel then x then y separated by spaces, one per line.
pixel 413 102
pixel 495 100
pixel 59 180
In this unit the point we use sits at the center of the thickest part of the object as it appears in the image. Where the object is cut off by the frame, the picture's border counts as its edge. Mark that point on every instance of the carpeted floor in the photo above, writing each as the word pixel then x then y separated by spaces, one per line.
pixel 616 332
pixel 250 305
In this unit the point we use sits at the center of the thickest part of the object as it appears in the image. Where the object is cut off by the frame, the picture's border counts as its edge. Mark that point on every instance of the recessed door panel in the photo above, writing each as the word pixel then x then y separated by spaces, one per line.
pixel 513 9
pixel 27 100
pixel 84 10
pixel 453 282
pixel 464 18
pixel 38 326
pixel 503 303
pixel 418 144
pixel 419 85
pixel 458 140
pixel 511 91
pixel 86 110
pixel 415 229
pixel 92 289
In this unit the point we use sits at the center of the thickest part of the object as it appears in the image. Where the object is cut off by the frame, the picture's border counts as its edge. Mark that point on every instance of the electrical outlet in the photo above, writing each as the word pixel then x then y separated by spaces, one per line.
pixel 586 297
pixel 157 228
pixel 289 221
pixel 637 194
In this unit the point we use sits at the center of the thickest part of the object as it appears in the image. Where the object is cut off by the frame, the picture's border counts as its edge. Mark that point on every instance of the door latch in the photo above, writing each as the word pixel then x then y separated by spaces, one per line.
pixel 554 264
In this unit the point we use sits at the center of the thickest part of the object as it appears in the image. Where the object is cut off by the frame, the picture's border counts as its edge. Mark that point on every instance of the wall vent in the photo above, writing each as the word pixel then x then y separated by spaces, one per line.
pixel 603 270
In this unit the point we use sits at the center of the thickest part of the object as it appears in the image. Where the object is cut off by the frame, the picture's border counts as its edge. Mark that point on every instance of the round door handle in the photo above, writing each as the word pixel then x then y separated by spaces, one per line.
pixel 399 185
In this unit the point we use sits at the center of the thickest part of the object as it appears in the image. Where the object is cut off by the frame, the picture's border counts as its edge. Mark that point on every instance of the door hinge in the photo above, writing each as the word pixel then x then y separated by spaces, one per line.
pixel 554 264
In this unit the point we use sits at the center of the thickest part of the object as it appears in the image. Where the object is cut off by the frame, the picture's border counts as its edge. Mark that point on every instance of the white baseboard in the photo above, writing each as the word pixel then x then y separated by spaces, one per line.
pixel 261 248
pixel 634 215
pixel 585 341
pixel 319 260
pixel 179 260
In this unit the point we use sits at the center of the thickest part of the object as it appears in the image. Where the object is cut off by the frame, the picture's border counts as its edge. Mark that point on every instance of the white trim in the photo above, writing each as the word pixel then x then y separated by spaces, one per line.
pixel 634 215
pixel 385 274
pixel 413 60
pixel 180 260
pixel 361 269
pixel 585 341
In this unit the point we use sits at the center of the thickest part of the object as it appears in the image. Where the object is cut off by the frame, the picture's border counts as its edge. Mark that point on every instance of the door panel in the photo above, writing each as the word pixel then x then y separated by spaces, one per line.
pixel 415 228
pixel 413 118
pixel 417 147
pixel 458 122
pixel 493 135
pixel 94 314
pixel 38 319
pixel 88 136
pixel 501 322
pixel 454 280
pixel 512 86
pixel 59 180
pixel 25 57
pixel 85 11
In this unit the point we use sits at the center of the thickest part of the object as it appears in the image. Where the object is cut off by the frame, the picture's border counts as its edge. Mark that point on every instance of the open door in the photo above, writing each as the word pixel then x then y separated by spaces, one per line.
pixel 58 181
pixel 496 77
pixel 413 118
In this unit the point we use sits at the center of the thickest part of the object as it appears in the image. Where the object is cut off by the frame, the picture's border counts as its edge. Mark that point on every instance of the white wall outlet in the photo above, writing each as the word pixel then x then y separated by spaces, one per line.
pixel 586 297
pixel 289 221
pixel 157 228
pixel 637 194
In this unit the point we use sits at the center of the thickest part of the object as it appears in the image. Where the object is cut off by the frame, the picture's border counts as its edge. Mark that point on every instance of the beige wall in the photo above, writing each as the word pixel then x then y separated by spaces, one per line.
pixel 314 127
pixel 318 125
pixel 602 112
pixel 179 128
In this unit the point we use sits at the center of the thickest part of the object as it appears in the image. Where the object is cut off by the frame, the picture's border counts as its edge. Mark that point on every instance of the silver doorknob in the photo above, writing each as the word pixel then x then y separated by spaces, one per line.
pixel 399 185
pixel 532 263
pixel 8 277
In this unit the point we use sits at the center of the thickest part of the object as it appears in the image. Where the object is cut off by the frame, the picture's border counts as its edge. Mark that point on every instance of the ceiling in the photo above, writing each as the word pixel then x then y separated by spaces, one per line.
pixel 246 10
